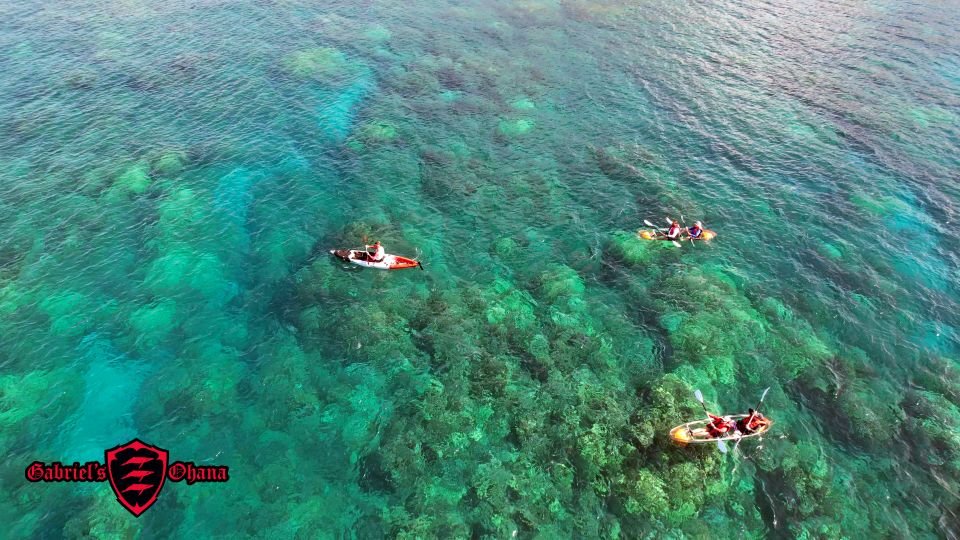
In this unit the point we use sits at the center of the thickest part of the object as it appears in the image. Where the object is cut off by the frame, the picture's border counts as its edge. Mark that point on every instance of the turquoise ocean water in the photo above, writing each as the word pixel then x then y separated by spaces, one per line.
pixel 172 174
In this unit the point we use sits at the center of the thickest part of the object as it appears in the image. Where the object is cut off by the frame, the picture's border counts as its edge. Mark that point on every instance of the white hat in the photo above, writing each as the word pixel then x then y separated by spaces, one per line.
pixel 698 224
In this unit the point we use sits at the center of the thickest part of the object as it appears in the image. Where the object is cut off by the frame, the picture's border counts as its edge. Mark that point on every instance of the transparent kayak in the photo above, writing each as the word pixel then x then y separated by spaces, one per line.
pixel 696 432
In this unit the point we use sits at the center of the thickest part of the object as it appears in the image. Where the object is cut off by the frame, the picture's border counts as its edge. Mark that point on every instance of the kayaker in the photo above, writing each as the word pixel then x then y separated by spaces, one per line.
pixel 695 231
pixel 719 426
pixel 377 254
pixel 757 421
pixel 674 231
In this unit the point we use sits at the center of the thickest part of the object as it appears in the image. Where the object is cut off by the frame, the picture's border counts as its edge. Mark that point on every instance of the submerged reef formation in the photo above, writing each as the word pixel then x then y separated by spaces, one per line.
pixel 320 63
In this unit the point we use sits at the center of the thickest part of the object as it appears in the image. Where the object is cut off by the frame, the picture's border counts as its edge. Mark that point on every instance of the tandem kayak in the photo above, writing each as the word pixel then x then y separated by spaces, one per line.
pixel 389 262
pixel 696 432
pixel 654 235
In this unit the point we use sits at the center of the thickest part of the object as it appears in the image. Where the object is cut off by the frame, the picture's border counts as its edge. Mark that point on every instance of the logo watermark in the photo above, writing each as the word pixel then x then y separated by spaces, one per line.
pixel 136 472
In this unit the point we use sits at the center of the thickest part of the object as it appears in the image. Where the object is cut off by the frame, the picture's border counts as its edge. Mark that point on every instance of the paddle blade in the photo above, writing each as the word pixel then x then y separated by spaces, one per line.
pixel 699 395
pixel 670 221
pixel 764 394
pixel 648 224
pixel 722 446
pixel 676 243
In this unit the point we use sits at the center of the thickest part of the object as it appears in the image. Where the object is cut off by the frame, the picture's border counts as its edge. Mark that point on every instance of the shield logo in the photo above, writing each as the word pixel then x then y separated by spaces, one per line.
pixel 136 471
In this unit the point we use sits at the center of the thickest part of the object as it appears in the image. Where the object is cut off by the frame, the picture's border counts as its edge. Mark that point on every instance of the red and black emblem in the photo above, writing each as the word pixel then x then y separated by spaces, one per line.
pixel 136 471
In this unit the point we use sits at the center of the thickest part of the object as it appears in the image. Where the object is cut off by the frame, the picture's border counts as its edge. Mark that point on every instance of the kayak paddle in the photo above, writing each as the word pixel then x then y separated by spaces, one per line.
pixel 648 224
pixel 683 221
pixel 417 258
pixel 750 418
pixel 720 444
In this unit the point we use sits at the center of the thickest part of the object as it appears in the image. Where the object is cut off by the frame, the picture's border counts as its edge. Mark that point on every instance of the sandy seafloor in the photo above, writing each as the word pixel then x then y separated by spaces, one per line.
pixel 171 174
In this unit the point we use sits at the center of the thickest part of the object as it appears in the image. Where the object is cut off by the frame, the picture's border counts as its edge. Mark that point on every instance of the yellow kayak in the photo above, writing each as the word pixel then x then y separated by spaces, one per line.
pixel 654 235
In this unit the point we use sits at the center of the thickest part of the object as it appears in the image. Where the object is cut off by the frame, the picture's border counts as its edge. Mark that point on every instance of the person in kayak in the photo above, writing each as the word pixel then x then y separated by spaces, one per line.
pixel 377 254
pixel 674 231
pixel 757 422
pixel 719 426
pixel 695 231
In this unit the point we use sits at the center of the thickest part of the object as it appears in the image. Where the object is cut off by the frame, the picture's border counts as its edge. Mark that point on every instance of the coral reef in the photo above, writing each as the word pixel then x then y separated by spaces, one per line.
pixel 320 63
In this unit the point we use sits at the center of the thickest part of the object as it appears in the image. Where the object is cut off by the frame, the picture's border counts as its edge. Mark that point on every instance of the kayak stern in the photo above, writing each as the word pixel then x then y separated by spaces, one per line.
pixel 681 435
pixel 342 254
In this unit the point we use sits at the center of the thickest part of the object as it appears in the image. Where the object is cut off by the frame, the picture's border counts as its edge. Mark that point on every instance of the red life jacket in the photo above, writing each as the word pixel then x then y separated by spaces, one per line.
pixel 718 427
pixel 755 423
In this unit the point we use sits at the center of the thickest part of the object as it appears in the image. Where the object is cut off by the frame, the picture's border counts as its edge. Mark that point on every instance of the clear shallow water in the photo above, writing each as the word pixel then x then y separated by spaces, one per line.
pixel 170 178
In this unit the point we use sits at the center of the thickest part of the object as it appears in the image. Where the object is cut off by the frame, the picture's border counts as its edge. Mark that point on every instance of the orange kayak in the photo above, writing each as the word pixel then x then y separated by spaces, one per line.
pixel 654 235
